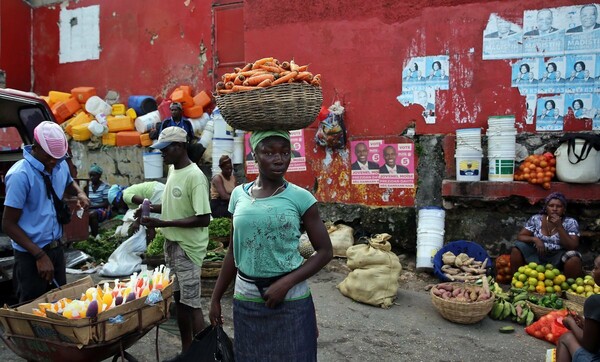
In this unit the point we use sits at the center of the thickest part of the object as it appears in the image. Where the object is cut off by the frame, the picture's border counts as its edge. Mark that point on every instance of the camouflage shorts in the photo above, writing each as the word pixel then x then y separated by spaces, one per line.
pixel 187 274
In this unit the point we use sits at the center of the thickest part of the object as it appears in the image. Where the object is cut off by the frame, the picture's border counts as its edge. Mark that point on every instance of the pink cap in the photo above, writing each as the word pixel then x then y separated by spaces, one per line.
pixel 52 139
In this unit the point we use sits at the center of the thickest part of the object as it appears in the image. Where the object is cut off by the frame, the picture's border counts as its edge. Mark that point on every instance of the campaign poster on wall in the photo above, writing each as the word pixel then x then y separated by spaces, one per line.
pixel 583 32
pixel 414 74
pixel 525 75
pixel 550 113
pixel 580 73
pixel 502 39
pixel 530 105
pixel 596 106
pixel 298 162
pixel 397 165
pixel 437 72
pixel 551 75
pixel 544 32
pixel 366 161
pixel 581 104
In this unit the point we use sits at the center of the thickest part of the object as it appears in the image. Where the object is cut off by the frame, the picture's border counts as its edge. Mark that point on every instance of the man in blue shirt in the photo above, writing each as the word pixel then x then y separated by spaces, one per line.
pixel 176 120
pixel 30 217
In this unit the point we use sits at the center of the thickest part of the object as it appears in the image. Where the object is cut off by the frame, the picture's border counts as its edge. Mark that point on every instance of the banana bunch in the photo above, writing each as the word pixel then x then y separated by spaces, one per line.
pixel 502 309
pixel 511 304
pixel 523 314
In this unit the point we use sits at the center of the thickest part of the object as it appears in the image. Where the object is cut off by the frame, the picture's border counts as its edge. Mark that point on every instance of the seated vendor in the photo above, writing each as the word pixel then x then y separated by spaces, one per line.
pixel 129 198
pixel 98 194
pixel 221 186
pixel 549 237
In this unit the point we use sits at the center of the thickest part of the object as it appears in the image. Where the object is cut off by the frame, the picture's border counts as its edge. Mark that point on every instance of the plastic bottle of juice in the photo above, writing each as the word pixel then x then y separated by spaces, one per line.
pixel 145 208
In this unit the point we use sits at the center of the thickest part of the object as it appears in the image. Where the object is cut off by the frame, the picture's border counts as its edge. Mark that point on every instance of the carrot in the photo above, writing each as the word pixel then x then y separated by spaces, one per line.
pixel 294 66
pixel 316 82
pixel 285 78
pixel 317 76
pixel 265 83
pixel 305 76
pixel 237 69
pixel 261 62
pixel 271 68
pixel 239 80
pixel 250 73
pixel 255 80
pixel 303 68
pixel 247 67
pixel 220 85
pixel 285 65
pixel 227 77
pixel 229 85
pixel 239 88
pixel 225 91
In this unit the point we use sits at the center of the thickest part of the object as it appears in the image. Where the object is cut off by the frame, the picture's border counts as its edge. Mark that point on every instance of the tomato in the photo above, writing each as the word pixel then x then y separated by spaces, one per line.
pixel 538 334
pixel 543 164
pixel 546 185
pixel 550 337
pixel 552 161
pixel 548 155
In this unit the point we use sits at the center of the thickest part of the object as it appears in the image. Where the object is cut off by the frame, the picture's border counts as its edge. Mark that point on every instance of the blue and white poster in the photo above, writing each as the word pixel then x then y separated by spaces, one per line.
pixel 580 104
pixel 596 105
pixel 597 75
pixel 502 39
pixel 580 73
pixel 414 74
pixel 550 116
pixel 530 103
pixel 583 32
pixel 551 75
pixel 544 32
pixel 437 72
pixel 525 75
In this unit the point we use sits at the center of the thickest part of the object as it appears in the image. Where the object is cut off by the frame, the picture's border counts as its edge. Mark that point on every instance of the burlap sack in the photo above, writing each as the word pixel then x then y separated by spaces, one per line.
pixel 375 271
pixel 342 237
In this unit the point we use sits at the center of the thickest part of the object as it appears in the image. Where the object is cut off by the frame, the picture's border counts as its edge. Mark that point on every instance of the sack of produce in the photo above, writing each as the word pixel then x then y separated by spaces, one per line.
pixel 549 327
pixel 375 271
pixel 268 94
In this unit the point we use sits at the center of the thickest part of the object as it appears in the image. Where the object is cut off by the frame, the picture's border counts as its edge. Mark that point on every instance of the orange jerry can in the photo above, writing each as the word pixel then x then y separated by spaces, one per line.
pixel 79 118
pixel 182 97
pixel 109 139
pixel 128 138
pixel 82 94
pixel 56 96
pixel 202 99
pixel 186 88
pixel 193 112
pixel 119 123
pixel 65 109
pixel 145 139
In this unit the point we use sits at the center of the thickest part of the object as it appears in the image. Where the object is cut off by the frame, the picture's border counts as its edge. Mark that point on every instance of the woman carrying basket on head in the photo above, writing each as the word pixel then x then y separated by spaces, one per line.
pixel 273 311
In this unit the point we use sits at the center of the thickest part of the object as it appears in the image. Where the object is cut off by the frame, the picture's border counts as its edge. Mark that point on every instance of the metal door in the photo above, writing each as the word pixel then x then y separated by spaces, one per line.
pixel 228 37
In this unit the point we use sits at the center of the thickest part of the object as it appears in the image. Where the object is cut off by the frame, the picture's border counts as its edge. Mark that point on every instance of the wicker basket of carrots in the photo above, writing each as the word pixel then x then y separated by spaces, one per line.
pixel 268 94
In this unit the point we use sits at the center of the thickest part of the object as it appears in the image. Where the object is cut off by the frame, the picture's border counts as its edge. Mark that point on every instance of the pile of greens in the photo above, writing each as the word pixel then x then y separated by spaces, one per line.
pixel 219 227
pixel 156 246
pixel 100 249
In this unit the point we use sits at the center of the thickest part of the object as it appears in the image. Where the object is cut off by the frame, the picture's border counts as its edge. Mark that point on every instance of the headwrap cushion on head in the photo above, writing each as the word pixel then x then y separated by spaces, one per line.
pixel 115 193
pixel 52 139
pixel 258 136
pixel 554 196
pixel 96 169
pixel 224 159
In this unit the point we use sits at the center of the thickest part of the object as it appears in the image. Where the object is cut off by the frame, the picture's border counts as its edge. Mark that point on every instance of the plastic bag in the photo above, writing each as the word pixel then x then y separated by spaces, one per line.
pixel 212 344
pixel 549 327
pixel 331 131
pixel 126 258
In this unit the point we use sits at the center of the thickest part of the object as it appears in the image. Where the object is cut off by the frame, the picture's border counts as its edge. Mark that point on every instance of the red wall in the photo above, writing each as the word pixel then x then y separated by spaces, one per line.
pixel 15 43
pixel 360 57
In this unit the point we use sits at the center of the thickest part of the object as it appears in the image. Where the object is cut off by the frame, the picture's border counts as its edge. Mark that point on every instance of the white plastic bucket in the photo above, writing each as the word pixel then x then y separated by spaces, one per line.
pixel 430 235
pixel 238 149
pixel 468 165
pixel 501 122
pixel 501 168
pixel 207 134
pixel 198 124
pixel 220 147
pixel 153 165
pixel 569 169
pixel 143 124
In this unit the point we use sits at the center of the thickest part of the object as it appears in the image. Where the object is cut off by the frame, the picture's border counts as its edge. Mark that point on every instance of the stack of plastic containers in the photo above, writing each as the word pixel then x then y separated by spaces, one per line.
pixel 430 235
pixel 501 134
pixel 468 154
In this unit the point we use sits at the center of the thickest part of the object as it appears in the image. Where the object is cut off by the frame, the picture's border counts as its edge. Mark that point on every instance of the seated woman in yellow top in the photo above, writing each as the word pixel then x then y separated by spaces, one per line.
pixel 221 186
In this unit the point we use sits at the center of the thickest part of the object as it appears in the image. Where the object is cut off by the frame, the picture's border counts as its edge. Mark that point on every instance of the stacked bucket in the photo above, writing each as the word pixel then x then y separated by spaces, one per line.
pixel 430 235
pixel 501 136
pixel 468 154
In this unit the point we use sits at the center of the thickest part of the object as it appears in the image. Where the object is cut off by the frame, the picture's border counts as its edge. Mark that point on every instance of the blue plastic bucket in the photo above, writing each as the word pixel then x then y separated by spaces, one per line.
pixel 142 104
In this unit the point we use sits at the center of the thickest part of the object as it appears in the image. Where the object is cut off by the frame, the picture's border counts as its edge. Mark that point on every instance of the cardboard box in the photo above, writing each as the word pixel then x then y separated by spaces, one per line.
pixel 136 316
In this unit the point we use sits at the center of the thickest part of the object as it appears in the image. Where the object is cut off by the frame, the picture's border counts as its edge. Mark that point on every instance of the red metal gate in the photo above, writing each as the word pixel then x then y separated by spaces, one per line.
pixel 228 36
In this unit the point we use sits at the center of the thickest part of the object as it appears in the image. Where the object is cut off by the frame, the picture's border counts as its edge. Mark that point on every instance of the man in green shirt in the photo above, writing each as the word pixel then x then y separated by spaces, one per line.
pixel 130 198
pixel 185 215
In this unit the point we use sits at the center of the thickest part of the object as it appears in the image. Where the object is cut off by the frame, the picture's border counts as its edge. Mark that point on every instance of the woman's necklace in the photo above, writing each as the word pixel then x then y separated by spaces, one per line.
pixel 252 193
pixel 550 232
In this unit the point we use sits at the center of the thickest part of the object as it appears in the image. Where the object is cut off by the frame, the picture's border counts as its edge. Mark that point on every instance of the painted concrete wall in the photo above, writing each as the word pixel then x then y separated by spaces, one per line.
pixel 15 35
pixel 150 47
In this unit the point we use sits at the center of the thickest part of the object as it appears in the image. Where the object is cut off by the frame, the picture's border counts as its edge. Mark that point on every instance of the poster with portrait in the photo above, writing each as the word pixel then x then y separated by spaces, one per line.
pixel 551 75
pixel 580 104
pixel 414 74
pixel 397 168
pixel 438 72
pixel 530 105
pixel 525 75
pixel 596 110
pixel 426 99
pixel 597 75
pixel 550 113
pixel 580 73
pixel 544 32
pixel 366 160
pixel 298 161
pixel 583 30
pixel 502 39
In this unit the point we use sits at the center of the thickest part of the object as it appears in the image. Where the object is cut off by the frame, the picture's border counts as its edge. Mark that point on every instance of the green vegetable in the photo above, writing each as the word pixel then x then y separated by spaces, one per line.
pixel 156 247
pixel 100 249
pixel 219 227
